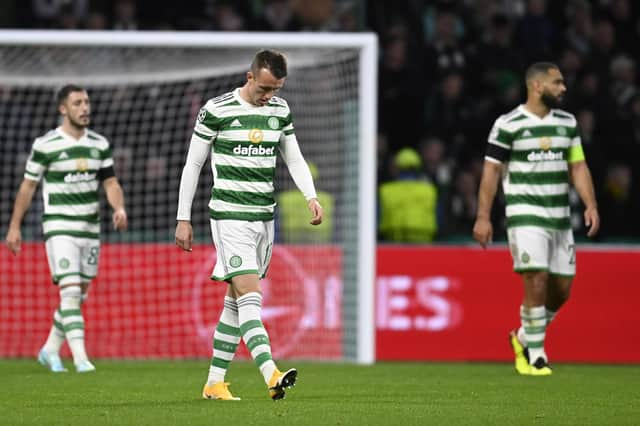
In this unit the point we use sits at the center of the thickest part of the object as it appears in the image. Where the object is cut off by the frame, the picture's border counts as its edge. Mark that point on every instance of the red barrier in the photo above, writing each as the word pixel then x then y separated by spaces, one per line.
pixel 432 303
pixel 155 301
pixel 441 303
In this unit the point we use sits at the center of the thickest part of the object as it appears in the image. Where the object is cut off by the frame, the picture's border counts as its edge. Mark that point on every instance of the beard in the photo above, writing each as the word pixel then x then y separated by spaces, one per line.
pixel 551 101
pixel 79 124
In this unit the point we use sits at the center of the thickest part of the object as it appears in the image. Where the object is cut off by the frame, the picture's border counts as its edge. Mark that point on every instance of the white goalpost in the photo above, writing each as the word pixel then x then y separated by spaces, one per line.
pixel 150 300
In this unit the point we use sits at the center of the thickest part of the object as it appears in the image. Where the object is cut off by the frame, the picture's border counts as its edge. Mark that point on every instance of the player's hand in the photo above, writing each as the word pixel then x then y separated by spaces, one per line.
pixel 14 240
pixel 316 211
pixel 483 231
pixel 592 221
pixel 120 221
pixel 184 235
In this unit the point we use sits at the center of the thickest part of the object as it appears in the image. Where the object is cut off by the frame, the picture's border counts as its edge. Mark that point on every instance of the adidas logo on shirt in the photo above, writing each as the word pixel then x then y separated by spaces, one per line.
pixel 63 156
pixel 236 123
pixel 526 134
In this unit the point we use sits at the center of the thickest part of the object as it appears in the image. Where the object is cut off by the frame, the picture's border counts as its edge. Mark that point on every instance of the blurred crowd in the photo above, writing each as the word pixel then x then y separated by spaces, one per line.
pixel 191 15
pixel 447 70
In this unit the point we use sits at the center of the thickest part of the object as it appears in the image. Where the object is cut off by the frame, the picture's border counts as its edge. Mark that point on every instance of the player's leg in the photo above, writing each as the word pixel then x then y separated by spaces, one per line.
pixel 60 253
pixel 529 249
pixel 533 320
pixel 227 334
pixel 558 292
pixel 73 324
pixel 49 354
pixel 225 342
pixel 254 334
pixel 240 248
pixel 562 270
pixel 85 293
pixel 56 338
pixel 56 334
pixel 280 380
pixel 73 295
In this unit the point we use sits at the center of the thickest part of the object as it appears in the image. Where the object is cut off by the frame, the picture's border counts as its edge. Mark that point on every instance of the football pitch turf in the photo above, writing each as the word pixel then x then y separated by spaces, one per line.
pixel 393 394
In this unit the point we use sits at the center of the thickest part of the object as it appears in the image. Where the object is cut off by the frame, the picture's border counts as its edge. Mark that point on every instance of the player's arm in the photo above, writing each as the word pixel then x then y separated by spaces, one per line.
pixel 582 181
pixel 580 176
pixel 482 229
pixel 201 140
pixel 34 170
pixel 498 151
pixel 20 207
pixel 299 170
pixel 113 190
pixel 115 197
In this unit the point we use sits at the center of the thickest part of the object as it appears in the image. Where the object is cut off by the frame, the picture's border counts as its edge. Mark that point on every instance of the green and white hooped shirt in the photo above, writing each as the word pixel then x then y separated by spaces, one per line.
pixel 537 153
pixel 70 169
pixel 244 141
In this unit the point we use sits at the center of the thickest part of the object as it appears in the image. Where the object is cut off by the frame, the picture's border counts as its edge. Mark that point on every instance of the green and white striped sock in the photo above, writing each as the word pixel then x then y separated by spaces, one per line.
pixel 254 334
pixel 73 322
pixel 225 341
pixel 56 334
pixel 534 323
pixel 550 315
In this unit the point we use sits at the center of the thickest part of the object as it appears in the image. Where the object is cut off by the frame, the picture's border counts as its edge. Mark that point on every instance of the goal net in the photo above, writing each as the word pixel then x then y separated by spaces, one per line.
pixel 150 299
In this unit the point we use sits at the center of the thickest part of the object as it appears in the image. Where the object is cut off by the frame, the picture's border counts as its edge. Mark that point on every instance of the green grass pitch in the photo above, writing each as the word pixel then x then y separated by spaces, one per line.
pixel 392 394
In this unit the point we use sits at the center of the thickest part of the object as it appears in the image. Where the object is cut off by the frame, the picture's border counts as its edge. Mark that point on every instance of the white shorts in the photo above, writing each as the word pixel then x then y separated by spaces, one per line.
pixel 72 260
pixel 242 247
pixel 538 249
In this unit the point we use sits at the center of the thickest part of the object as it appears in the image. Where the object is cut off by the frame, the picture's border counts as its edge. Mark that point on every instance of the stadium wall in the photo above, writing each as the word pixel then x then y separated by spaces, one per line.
pixel 432 303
